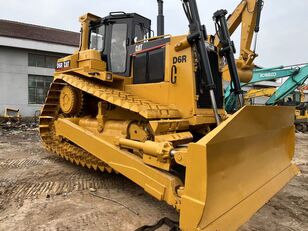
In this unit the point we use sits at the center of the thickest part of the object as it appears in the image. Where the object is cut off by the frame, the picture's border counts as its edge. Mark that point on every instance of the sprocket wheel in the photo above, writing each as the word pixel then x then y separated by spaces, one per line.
pixel 71 100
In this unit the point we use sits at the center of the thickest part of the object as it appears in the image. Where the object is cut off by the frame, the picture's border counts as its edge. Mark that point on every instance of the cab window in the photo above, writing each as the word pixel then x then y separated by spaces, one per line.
pixel 118 48
pixel 139 35
pixel 140 32
pixel 97 38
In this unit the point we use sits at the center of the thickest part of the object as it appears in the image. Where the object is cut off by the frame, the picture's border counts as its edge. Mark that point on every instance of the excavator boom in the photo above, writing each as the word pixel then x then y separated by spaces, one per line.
pixel 290 85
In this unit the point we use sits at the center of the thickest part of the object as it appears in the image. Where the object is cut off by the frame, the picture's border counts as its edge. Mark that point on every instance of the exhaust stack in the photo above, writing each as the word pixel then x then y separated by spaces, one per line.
pixel 160 18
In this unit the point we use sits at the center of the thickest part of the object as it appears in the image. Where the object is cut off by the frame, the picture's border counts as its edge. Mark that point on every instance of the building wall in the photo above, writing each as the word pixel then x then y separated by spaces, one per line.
pixel 14 71
pixel 36 45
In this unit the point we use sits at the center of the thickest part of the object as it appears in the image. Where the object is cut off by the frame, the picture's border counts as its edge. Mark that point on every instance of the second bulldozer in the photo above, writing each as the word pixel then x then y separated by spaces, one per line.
pixel 151 108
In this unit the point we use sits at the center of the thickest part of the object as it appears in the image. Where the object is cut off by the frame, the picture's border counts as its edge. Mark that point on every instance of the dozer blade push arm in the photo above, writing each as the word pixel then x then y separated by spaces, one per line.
pixel 159 184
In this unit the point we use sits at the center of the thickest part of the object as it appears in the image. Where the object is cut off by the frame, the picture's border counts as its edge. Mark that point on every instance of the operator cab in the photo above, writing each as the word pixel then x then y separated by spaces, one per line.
pixel 112 35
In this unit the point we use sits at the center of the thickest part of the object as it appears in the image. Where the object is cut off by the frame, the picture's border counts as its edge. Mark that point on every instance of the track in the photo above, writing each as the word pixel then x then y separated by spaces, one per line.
pixel 86 221
pixel 33 189
pixel 73 153
pixel 24 163
pixel 63 149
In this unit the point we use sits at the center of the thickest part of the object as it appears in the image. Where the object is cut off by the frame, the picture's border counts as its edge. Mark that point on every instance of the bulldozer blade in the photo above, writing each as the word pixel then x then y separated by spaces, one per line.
pixel 236 168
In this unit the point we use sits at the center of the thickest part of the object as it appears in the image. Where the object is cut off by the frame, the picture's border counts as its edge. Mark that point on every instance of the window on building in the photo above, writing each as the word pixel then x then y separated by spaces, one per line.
pixel 46 61
pixel 37 88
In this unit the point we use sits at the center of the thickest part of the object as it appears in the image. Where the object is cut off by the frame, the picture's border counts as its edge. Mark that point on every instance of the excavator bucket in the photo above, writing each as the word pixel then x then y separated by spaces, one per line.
pixel 235 169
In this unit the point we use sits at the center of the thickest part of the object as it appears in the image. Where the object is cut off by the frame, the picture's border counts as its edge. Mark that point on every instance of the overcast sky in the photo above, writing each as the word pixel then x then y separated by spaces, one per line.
pixel 283 37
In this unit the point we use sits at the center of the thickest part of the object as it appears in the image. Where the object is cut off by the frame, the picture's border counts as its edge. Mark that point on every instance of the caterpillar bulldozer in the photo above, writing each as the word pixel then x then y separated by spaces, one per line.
pixel 151 109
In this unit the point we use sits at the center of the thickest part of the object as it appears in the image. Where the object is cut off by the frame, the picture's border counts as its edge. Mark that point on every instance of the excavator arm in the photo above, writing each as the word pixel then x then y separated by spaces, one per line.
pixel 289 86
pixel 248 14
pixel 296 77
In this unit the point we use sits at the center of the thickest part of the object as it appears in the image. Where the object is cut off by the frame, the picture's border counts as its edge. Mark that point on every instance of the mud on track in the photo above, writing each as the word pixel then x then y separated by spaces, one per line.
pixel 40 191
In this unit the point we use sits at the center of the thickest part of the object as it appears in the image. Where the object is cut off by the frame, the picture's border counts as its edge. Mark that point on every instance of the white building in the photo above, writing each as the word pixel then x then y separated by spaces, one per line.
pixel 28 55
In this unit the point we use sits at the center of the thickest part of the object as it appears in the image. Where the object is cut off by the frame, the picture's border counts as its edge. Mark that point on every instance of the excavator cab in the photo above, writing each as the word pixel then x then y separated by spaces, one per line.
pixel 112 35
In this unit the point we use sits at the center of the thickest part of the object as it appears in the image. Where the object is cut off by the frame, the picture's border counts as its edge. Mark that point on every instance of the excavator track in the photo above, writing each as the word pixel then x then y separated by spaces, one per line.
pixel 70 151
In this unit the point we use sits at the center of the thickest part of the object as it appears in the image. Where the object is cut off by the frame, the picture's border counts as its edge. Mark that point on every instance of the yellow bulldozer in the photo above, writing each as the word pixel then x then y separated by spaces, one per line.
pixel 151 109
